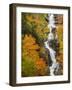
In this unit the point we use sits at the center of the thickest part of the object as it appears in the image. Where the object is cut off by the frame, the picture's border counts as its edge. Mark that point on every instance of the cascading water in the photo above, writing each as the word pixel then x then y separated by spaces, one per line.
pixel 51 37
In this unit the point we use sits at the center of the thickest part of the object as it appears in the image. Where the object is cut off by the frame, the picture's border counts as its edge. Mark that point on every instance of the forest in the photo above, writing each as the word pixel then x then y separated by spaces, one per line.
pixel 34 31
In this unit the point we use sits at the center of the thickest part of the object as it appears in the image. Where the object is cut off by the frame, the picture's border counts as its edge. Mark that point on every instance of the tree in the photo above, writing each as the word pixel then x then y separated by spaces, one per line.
pixel 32 64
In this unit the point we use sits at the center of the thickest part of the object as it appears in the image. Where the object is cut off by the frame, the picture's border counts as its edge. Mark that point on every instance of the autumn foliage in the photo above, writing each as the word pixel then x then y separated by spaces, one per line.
pixel 34 32
pixel 32 64
pixel 41 67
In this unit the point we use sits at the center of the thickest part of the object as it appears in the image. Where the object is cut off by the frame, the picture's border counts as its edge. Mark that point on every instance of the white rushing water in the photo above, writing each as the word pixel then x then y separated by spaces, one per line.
pixel 52 52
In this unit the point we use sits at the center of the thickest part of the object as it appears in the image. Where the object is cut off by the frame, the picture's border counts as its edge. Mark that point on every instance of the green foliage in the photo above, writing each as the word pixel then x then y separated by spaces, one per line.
pixel 28 67
pixel 32 64
pixel 36 25
pixel 34 33
pixel 60 36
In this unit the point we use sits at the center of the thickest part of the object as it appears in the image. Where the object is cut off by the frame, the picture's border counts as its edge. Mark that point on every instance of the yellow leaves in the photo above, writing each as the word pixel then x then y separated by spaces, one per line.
pixel 59 29
pixel 33 50
pixel 32 18
pixel 38 21
pixel 30 43
pixel 29 17
pixel 29 47
pixel 39 31
pixel 60 38
pixel 34 54
pixel 29 39
pixel 60 35
pixel 34 47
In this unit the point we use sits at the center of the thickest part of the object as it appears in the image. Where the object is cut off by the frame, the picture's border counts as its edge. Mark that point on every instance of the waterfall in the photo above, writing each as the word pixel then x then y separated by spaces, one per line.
pixel 51 37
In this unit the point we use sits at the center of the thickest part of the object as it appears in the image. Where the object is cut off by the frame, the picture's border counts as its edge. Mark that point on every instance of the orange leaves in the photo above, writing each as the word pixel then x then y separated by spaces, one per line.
pixel 60 58
pixel 41 67
pixel 30 43
pixel 29 47
pixel 35 32
pixel 34 47
pixel 40 63
pixel 30 54
pixel 34 54
pixel 29 39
